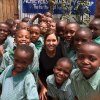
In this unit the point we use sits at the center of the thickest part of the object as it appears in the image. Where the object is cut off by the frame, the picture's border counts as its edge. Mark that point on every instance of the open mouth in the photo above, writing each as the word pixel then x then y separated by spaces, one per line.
pixel 59 78
pixel 23 43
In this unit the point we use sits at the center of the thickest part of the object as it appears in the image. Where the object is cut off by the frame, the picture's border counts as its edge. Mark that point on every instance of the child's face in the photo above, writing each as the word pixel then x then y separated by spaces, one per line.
pixel 35 33
pixel 22 37
pixel 3 31
pixel 70 32
pixel 43 27
pixel 49 20
pixel 60 30
pixel 23 25
pixel 48 14
pixel 88 60
pixel 21 61
pixel 80 38
pixel 62 72
pixel 51 42
pixel 53 26
pixel 95 28
pixel 13 30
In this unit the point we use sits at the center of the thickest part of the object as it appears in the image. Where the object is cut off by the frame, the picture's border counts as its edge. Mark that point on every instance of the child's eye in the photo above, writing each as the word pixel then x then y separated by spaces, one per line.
pixel 71 31
pixel 84 40
pixel 80 56
pixel 20 36
pixel 58 69
pixel 27 37
pixel 66 73
pixel 92 58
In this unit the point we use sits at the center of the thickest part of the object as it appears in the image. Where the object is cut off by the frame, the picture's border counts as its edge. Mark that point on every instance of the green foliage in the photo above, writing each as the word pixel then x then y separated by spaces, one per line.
pixel 81 10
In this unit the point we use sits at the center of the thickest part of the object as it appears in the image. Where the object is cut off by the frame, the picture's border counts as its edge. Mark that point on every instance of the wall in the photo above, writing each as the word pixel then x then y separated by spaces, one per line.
pixel 97 8
pixel 8 9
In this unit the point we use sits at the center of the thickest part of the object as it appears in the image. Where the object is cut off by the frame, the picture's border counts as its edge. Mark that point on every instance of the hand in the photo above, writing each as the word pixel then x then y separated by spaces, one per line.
pixel 43 93
pixel 40 15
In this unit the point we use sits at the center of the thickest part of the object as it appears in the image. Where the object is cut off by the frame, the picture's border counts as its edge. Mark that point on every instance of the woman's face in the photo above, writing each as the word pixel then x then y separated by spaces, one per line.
pixel 51 42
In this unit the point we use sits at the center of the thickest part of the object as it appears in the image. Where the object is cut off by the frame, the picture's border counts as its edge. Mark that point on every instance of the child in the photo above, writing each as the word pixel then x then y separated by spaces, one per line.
pixel 49 20
pixel 17 81
pixel 53 26
pixel 82 35
pixel 22 37
pixel 67 43
pixel 35 38
pixel 95 28
pixel 43 28
pixel 86 79
pixel 26 19
pixel 58 84
pixel 48 14
pixel 60 28
pixel 10 38
pixel 22 25
pixel 4 31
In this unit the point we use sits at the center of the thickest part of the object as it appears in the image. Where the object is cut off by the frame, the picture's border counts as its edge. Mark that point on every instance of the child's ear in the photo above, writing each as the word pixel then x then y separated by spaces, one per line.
pixel 54 69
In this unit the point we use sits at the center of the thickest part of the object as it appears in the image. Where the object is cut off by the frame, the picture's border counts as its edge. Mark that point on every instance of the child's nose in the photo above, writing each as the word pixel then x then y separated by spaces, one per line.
pixel 2 31
pixel 79 42
pixel 86 61
pixel 34 34
pixel 69 34
pixel 24 38
pixel 61 73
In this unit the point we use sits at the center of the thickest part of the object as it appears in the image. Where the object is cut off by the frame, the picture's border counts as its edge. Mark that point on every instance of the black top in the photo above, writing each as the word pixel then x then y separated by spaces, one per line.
pixel 47 63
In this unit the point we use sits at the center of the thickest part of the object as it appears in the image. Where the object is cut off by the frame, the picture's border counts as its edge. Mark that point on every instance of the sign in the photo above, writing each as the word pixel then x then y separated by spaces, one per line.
pixel 42 6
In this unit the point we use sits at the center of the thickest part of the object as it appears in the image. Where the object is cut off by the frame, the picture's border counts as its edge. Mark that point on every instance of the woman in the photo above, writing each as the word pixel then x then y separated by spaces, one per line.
pixel 48 58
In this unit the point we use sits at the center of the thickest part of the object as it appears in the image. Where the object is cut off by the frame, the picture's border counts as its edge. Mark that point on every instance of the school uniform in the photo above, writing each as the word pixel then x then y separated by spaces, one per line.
pixel 4 45
pixel 39 44
pixel 97 40
pixel 19 87
pixel 8 59
pixel 69 51
pixel 9 42
pixel 83 88
pixel 62 93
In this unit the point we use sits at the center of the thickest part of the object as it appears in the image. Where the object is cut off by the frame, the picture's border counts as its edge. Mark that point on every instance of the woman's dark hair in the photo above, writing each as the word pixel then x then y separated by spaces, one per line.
pixel 49 33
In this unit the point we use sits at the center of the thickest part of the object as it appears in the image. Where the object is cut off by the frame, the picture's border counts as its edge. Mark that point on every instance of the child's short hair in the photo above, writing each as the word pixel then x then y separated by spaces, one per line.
pixel 34 25
pixel 65 59
pixel 92 43
pixel 28 49
pixel 26 19
pixel 85 29
pixel 16 32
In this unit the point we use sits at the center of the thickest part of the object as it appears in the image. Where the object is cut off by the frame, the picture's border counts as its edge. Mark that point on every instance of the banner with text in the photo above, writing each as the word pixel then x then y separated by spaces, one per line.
pixel 42 6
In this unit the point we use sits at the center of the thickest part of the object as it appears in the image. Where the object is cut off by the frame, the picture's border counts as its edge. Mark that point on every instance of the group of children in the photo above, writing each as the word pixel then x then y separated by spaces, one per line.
pixel 49 60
